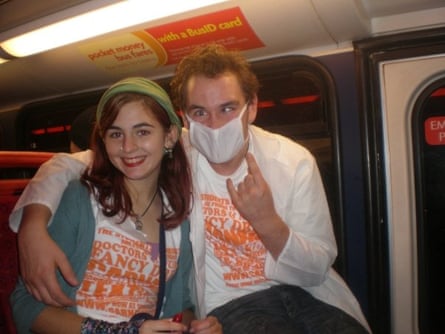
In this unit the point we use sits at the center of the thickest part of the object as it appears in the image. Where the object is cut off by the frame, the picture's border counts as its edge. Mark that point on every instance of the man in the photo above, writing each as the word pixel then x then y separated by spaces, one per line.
pixel 81 130
pixel 261 233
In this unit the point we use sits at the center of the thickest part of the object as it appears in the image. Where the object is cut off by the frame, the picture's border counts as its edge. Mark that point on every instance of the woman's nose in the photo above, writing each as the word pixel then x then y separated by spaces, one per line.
pixel 128 144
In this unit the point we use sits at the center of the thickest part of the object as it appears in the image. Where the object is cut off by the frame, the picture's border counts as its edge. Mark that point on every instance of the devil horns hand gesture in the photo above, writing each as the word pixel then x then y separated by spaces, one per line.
pixel 253 199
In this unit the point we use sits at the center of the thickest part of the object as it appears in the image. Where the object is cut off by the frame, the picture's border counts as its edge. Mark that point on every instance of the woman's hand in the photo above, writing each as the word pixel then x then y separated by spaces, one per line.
pixel 209 325
pixel 162 326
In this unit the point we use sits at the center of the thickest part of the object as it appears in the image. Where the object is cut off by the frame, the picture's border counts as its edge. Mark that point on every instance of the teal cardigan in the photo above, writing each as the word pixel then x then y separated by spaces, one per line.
pixel 73 229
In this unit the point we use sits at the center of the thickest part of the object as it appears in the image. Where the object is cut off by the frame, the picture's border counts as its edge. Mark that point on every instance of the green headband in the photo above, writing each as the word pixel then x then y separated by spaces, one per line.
pixel 141 86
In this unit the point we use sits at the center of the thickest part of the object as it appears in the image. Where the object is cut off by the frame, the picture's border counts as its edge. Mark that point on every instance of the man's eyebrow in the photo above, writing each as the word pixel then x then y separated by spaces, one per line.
pixel 194 106
pixel 232 103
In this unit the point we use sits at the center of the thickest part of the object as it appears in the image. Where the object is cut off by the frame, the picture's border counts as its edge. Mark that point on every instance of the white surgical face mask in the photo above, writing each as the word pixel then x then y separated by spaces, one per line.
pixel 218 145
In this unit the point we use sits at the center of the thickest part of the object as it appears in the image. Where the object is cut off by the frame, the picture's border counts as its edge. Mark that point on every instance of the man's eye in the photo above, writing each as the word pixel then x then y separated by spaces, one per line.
pixel 198 113
pixel 228 110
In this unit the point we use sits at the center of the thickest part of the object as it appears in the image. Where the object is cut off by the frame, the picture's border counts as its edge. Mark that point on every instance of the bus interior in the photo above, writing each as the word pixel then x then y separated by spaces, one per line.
pixel 360 83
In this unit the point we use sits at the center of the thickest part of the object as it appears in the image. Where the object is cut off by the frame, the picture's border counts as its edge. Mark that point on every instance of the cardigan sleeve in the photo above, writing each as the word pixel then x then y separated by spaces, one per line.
pixel 178 296
pixel 73 230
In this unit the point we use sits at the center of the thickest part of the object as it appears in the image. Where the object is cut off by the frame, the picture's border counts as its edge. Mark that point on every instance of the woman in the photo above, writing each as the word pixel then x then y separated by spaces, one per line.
pixel 123 224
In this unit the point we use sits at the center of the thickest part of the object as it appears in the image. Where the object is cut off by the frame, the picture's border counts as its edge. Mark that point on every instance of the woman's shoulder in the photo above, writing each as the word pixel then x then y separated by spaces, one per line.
pixel 76 191
pixel 76 186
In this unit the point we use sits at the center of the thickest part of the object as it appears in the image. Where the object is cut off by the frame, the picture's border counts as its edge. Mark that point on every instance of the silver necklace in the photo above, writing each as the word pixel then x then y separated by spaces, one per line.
pixel 137 223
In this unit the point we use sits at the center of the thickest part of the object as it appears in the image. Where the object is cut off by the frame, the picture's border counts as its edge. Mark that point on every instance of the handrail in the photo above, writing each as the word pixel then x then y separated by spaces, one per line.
pixel 23 158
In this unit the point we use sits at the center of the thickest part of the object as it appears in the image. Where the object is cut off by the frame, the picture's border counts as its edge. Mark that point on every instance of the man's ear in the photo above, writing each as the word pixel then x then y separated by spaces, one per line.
pixel 185 121
pixel 252 109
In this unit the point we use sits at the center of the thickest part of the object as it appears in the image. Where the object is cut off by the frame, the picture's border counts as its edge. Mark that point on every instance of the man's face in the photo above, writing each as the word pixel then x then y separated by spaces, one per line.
pixel 215 101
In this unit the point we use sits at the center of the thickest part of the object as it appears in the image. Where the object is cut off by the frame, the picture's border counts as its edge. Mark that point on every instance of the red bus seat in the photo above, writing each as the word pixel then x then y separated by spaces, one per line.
pixel 10 190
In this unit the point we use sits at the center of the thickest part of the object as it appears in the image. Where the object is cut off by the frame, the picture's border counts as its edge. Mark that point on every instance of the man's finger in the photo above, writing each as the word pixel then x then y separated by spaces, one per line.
pixel 232 191
pixel 42 295
pixel 34 292
pixel 61 298
pixel 55 292
pixel 253 168
pixel 67 271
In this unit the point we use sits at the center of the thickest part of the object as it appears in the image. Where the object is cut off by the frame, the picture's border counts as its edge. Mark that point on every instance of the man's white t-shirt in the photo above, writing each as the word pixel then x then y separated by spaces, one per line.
pixel 235 256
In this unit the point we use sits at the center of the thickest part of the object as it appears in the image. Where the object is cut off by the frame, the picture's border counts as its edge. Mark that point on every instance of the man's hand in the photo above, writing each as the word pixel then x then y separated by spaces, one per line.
pixel 252 197
pixel 40 258
pixel 254 201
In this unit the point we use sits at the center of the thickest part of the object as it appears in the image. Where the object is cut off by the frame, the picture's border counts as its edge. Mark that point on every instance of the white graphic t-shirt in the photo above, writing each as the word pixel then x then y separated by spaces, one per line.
pixel 122 276
pixel 235 256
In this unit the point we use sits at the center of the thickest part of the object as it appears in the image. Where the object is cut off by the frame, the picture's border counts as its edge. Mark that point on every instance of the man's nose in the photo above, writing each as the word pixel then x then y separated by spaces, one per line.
pixel 215 122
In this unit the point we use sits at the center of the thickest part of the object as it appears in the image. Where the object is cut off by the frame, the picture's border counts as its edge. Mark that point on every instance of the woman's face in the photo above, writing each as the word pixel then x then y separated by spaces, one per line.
pixel 135 142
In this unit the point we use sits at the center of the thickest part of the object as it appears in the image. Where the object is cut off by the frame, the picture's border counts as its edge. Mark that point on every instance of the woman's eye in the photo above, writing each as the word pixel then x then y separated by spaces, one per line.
pixel 114 135
pixel 143 132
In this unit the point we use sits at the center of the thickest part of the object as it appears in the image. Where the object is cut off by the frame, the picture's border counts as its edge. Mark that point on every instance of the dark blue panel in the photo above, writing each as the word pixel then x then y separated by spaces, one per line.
pixel 342 68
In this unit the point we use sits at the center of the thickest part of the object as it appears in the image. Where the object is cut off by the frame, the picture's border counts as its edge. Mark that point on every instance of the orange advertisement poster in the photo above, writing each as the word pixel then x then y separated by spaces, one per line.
pixel 125 53
pixel 167 44
pixel 228 27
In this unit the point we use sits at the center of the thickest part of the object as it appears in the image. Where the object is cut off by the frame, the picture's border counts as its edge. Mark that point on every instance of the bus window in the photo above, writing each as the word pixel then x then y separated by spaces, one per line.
pixel 429 145
pixel 297 99
pixel 45 126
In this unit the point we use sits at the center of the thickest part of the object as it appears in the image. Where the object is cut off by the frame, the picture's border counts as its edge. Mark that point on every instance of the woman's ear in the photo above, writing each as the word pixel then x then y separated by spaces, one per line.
pixel 172 136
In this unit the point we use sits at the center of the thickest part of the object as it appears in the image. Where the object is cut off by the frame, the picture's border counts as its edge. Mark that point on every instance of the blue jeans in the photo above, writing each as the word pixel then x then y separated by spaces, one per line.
pixel 284 309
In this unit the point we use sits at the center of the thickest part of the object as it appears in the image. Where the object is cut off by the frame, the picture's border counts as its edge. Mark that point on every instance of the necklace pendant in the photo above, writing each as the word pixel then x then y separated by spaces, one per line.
pixel 138 224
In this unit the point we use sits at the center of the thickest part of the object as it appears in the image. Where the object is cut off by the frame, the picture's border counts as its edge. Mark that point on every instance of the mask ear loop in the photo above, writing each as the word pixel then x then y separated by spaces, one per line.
pixel 244 109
